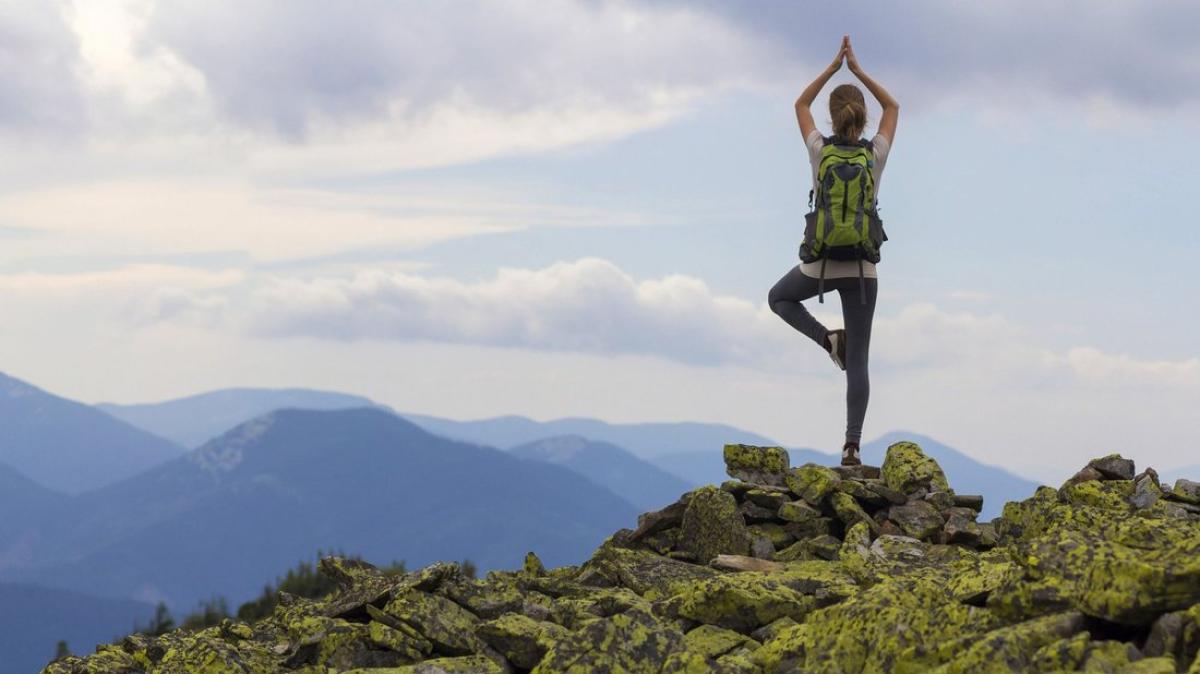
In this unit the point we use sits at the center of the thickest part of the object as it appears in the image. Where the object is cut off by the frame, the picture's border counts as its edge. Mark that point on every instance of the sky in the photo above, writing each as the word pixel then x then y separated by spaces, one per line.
pixel 577 208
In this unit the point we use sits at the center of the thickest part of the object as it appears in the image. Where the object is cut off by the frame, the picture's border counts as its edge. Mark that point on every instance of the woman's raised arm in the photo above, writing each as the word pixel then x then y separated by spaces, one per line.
pixel 891 108
pixel 803 113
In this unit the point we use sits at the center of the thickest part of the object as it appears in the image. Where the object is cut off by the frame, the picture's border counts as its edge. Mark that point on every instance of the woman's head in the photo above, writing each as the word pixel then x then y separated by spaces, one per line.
pixel 848 111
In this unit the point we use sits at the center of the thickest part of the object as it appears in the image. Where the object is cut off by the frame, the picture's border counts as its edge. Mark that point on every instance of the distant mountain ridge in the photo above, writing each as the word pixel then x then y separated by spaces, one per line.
pixel 69 446
pixel 193 420
pixel 33 619
pixel 689 451
pixel 278 487
pixel 643 484
pixel 646 440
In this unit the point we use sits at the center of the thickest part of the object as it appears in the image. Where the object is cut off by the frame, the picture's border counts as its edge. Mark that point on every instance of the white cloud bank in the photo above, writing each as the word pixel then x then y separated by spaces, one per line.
pixel 584 337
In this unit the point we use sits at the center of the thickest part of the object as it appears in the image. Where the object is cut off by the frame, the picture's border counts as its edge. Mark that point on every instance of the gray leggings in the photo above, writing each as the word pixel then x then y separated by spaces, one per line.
pixel 785 299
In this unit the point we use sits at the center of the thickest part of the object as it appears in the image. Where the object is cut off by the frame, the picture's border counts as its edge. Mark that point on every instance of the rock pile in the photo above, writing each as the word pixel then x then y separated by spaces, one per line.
pixel 807 569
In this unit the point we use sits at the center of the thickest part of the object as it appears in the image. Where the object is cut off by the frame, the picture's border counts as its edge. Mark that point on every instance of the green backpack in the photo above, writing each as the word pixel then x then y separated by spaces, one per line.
pixel 844 224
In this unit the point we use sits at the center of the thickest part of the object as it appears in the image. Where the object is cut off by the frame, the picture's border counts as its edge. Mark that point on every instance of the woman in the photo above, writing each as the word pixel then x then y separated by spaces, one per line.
pixel 847 347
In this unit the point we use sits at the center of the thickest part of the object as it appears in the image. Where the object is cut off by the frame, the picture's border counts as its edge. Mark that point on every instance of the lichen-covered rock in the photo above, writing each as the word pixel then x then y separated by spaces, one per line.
pixel 711 526
pixel 906 469
pixel 520 639
pixel 917 519
pixel 1101 575
pixel 450 627
pixel 470 664
pixel 759 465
pixel 1008 649
pixel 634 642
pixel 1113 467
pixel 741 602
pixel 849 512
pixel 884 628
pixel 812 482
pixel 1187 491
pixel 712 641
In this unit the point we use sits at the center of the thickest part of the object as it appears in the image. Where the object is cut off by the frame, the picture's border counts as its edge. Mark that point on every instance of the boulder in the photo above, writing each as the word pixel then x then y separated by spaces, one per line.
pixel 758 465
pixel 712 526
pixel 907 469
pixel 1113 467
pixel 812 482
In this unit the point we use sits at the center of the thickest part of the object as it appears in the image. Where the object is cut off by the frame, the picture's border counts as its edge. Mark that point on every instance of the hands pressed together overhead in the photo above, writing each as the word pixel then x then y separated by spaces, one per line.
pixel 845 53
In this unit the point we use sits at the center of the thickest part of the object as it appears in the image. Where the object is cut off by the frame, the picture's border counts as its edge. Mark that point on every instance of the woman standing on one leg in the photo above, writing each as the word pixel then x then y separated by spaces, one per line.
pixel 848 347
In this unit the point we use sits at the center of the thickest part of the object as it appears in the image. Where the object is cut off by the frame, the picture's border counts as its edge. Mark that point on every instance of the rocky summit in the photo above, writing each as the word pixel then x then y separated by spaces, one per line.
pixel 782 569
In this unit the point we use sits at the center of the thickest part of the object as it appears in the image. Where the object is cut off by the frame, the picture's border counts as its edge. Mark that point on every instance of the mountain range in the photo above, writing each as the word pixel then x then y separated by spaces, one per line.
pixel 34 619
pixel 194 420
pixel 266 486
pixel 68 446
pixel 642 484
pixel 227 516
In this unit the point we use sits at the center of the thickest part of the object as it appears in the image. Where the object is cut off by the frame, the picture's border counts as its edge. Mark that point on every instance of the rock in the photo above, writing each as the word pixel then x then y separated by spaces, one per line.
pixel 849 512
pixel 860 472
pixel 1146 490
pixel 810 528
pixel 768 498
pixel 775 534
pixel 907 469
pixel 886 492
pixel 522 640
pixel 650 523
pixel 962 528
pixel 712 526
pixel 859 491
pixel 742 602
pixel 752 512
pixel 1085 474
pixel 761 547
pixel 711 641
pixel 917 519
pixel 942 500
pixel 450 627
pixel 1016 646
pixel 812 482
pixel 758 465
pixel 1100 575
pixel 1186 491
pixel 1113 467
pixel 798 511
pixel 634 642
pixel 533 567
pixel 971 501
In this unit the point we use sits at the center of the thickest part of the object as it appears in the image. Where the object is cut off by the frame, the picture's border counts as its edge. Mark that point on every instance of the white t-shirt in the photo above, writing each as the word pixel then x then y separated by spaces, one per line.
pixel 843 268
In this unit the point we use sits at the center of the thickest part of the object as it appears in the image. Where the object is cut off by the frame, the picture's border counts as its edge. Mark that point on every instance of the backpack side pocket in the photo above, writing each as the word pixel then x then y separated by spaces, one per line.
pixel 810 237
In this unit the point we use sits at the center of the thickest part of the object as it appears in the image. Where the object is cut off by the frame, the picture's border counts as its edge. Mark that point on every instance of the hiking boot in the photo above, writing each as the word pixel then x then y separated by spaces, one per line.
pixel 850 455
pixel 837 347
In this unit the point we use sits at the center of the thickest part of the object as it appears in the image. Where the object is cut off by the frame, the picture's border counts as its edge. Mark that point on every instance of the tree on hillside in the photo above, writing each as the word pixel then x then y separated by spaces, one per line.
pixel 211 612
pixel 303 580
pixel 468 568
pixel 161 623
pixel 61 650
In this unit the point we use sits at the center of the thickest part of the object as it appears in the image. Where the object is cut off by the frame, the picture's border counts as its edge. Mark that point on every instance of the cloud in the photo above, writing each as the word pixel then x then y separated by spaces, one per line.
pixel 589 306
pixel 592 306
pixel 173 216
pixel 39 91
pixel 315 86
pixel 1107 60
pixel 284 65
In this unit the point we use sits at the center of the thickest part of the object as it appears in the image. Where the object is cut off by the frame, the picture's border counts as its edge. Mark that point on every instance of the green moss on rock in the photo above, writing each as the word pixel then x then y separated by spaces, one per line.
pixel 712 526
pixel 906 469
pixel 812 482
